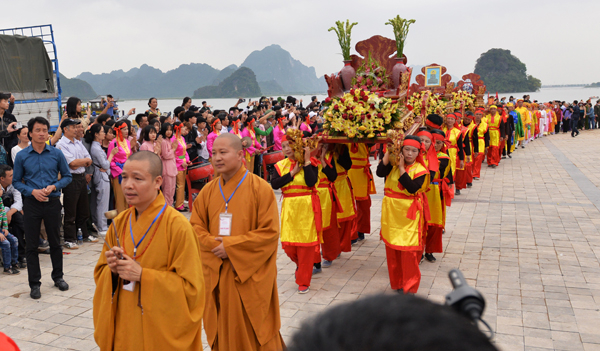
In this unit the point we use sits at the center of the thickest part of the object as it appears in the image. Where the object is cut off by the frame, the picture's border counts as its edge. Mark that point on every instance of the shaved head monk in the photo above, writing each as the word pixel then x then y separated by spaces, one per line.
pixel 237 222
pixel 149 284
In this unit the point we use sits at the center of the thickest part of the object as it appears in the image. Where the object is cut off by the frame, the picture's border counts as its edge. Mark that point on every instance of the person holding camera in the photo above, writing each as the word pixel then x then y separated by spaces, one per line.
pixel 8 124
pixel 13 202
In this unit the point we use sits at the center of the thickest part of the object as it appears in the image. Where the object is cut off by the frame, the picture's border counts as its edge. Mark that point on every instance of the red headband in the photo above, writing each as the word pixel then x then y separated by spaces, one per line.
pixel 118 131
pixel 411 142
pixel 432 125
pixel 284 139
pixel 437 137
pixel 215 122
pixel 425 133
pixel 451 115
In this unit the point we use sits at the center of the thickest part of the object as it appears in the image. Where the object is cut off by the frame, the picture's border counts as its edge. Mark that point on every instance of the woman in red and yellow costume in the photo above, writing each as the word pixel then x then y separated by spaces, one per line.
pixel 300 212
pixel 454 140
pixel 403 214
pixel 483 142
pixel 439 195
pixel 363 186
pixel 330 207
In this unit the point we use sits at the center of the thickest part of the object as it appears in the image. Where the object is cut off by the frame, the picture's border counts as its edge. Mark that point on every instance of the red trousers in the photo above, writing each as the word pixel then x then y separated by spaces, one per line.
pixel 477 165
pixel 493 155
pixel 500 148
pixel 331 239
pixel 345 230
pixel 304 258
pixel 403 268
pixel 469 172
pixel 433 243
pixel 460 178
pixel 362 221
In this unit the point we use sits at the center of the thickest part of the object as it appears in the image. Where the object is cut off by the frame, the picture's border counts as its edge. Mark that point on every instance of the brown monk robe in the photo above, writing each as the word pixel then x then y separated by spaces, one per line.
pixel 162 307
pixel 242 305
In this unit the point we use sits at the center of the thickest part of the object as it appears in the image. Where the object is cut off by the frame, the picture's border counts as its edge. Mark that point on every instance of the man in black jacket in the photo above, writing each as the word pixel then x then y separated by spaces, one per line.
pixel 8 122
pixel 576 114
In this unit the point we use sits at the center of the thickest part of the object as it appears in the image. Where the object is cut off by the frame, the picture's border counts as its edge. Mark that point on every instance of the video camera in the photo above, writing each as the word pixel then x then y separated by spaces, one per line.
pixel 466 300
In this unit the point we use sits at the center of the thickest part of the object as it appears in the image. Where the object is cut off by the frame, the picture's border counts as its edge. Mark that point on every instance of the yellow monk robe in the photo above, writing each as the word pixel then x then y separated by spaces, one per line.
pixel 360 174
pixel 398 231
pixel 452 137
pixel 297 216
pixel 242 304
pixel 172 286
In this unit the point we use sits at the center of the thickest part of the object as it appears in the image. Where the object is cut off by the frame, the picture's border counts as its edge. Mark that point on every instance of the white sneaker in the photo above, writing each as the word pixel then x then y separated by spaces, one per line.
pixel 71 246
pixel 102 233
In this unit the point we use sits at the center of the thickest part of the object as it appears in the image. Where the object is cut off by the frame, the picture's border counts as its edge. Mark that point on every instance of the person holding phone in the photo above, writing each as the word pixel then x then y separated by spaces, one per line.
pixel 8 124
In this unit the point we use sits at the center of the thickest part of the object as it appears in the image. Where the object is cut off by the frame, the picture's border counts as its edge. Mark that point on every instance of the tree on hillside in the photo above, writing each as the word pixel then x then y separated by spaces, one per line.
pixel 505 73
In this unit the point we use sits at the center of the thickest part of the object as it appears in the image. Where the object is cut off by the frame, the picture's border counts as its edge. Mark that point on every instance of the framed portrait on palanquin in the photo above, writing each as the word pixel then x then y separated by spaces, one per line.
pixel 433 76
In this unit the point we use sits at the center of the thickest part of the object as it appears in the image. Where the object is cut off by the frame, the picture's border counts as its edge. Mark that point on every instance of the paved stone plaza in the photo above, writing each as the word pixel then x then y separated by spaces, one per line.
pixel 526 236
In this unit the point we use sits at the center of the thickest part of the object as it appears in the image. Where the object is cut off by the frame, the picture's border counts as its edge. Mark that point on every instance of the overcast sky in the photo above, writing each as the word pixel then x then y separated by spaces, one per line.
pixel 557 40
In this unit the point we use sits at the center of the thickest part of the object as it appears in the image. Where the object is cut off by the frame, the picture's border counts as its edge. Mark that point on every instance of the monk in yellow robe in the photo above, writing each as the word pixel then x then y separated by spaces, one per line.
pixel 236 219
pixel 149 284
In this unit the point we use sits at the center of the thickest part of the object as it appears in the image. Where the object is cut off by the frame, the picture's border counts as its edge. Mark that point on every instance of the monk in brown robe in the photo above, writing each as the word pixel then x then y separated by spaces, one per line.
pixel 237 222
pixel 149 284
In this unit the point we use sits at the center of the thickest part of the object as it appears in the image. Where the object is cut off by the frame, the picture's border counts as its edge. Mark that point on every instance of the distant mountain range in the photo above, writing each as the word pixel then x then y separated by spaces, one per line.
pixel 76 87
pixel 277 72
pixel 240 83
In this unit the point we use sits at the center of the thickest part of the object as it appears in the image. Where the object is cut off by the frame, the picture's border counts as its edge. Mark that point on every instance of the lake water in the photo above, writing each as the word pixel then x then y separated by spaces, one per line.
pixel 544 95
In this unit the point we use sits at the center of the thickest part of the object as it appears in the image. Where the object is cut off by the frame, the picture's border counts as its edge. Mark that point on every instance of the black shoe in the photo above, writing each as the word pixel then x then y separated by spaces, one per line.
pixel 361 236
pixel 422 258
pixel 400 291
pixel 61 284
pixel 509 156
pixel 353 241
pixel 503 157
pixel 11 271
pixel 22 264
pixel 476 178
pixel 35 293
pixel 45 252
pixel 430 257
pixel 14 269
pixel 469 185
pixel 457 192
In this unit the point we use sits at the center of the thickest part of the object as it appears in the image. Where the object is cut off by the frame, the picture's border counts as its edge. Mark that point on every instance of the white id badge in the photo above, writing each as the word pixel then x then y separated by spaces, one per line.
pixel 129 287
pixel 225 224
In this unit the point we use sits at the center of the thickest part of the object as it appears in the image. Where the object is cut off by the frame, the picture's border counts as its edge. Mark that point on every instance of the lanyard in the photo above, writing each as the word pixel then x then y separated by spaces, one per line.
pixel 236 188
pixel 135 246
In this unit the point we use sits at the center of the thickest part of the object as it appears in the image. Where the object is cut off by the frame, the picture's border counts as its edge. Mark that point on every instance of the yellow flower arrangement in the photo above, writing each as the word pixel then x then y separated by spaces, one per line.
pixel 434 103
pixel 361 114
pixel 463 97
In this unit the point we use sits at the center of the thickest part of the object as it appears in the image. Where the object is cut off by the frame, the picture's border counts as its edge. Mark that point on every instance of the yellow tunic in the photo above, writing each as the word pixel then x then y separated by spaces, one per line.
pixel 525 121
pixel 297 216
pixel 360 174
pixel 482 128
pixel 242 303
pixel 172 287
pixel 436 205
pixel 397 230
pixel 494 128
pixel 452 137
pixel 345 194
pixel 325 188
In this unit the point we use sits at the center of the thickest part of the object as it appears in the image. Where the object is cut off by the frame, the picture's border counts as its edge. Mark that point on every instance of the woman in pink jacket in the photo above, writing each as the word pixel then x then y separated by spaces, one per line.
pixel 167 155
pixel 183 160
pixel 216 131
pixel 279 131
pixel 116 165
pixel 249 132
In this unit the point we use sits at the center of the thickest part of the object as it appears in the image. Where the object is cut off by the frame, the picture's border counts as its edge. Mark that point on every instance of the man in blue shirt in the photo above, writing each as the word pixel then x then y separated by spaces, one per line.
pixel 35 176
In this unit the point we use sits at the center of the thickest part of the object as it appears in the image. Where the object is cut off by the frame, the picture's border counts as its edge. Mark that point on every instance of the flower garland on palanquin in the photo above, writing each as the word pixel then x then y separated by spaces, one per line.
pixel 361 114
